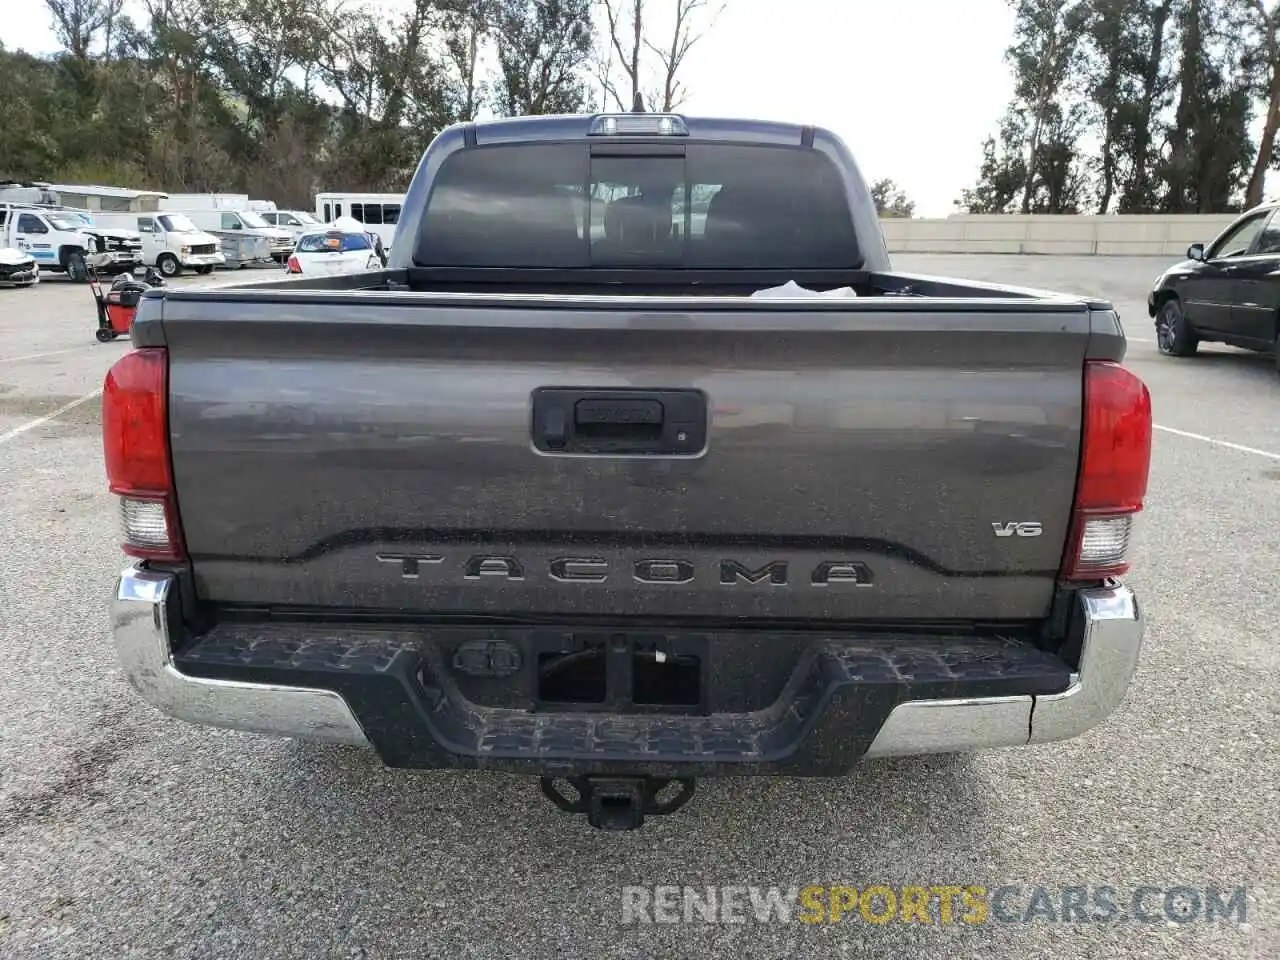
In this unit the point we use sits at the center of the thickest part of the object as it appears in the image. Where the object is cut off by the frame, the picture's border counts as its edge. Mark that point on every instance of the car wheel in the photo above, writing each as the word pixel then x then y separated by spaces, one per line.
pixel 1174 336
pixel 76 268
pixel 169 266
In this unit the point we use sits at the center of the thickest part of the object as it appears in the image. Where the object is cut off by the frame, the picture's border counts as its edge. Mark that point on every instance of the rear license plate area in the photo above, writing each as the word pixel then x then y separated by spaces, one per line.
pixel 626 672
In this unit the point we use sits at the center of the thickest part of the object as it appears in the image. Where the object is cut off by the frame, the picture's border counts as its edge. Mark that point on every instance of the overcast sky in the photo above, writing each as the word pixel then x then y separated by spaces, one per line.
pixel 913 86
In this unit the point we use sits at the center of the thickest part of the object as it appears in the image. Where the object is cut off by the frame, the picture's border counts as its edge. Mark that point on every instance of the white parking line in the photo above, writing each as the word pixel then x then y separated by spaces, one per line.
pixel 37 356
pixel 1139 340
pixel 19 431
pixel 1219 443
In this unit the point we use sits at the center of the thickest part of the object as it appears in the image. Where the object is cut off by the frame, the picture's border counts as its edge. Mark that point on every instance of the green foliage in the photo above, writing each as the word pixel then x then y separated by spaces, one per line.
pixel 890 200
pixel 543 48
pixel 1164 90
pixel 1003 173
pixel 278 98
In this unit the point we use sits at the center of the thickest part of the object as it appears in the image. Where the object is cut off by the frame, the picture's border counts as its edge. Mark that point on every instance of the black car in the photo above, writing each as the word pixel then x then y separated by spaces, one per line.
pixel 1228 292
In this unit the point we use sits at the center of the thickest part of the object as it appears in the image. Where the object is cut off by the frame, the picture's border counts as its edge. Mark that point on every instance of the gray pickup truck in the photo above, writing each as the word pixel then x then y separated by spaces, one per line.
pixel 556 493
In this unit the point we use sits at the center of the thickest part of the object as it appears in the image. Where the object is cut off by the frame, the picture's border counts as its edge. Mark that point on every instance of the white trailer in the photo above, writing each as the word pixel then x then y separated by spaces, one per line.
pixel 185 202
pixel 82 196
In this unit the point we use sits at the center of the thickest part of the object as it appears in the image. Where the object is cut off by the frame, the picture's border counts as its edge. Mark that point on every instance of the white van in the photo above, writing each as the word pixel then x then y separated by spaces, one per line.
pixel 280 241
pixel 170 241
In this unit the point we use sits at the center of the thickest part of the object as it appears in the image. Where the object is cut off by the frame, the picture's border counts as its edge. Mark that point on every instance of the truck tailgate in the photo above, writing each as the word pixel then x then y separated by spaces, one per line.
pixel 874 459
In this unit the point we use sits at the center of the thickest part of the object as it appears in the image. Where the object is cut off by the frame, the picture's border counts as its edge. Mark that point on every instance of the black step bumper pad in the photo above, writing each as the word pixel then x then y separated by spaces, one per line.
pixel 839 695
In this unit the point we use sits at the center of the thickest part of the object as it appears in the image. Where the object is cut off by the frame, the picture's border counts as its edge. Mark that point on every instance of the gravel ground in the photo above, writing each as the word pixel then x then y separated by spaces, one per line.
pixel 125 834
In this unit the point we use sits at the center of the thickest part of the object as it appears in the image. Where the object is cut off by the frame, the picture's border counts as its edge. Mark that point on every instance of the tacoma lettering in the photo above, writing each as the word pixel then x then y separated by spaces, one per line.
pixel 650 571
pixel 586 569
pixel 507 567
pixel 841 571
pixel 731 571
pixel 663 571
pixel 409 562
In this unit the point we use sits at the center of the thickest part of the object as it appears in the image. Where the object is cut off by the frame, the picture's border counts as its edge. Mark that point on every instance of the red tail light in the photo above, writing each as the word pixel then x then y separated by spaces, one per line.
pixel 135 439
pixel 1115 460
pixel 294 265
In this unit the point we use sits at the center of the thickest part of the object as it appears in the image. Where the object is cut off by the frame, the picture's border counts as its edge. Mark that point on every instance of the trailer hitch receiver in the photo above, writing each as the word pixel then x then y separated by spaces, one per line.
pixel 619 803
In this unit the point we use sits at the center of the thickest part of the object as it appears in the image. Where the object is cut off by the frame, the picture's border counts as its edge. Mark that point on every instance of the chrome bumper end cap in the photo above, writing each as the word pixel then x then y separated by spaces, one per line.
pixel 141 612
pixel 1113 631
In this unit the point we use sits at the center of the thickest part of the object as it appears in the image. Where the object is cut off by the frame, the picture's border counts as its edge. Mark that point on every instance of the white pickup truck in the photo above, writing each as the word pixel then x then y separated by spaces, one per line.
pixel 60 240
pixel 296 222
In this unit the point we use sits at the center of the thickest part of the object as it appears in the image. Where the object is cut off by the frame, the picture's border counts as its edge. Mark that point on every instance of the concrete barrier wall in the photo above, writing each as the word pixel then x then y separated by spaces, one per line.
pixel 1139 235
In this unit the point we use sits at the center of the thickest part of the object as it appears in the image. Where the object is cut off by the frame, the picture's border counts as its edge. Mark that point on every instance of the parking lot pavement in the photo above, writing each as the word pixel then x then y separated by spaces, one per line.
pixel 48 355
pixel 123 833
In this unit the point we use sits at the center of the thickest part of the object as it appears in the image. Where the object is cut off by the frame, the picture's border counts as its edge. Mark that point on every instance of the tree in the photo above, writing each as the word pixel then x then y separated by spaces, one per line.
pixel 1047 38
pixel 1266 24
pixel 542 47
pixel 468 26
pixel 1110 60
pixel 624 21
pixel 283 98
pixel 890 200
pixel 672 55
pixel 1140 126
pixel 630 48
pixel 79 23
pixel 395 91
pixel 1042 124
pixel 1165 88
pixel 1209 148
pixel 1003 172
pixel 31 147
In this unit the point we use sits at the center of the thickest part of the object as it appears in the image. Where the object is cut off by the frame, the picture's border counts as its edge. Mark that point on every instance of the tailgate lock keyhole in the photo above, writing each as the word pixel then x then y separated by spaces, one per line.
pixel 555 428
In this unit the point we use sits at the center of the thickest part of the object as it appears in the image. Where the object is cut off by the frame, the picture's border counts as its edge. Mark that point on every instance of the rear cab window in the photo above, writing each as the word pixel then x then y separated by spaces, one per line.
pixel 720 206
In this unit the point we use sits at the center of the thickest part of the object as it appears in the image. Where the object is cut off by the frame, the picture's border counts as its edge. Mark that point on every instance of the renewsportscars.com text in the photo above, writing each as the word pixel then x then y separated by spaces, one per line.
pixel 934 904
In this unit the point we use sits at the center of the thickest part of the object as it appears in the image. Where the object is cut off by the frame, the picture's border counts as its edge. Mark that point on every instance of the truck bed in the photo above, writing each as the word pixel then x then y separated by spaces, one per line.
pixel 353 443
pixel 597 282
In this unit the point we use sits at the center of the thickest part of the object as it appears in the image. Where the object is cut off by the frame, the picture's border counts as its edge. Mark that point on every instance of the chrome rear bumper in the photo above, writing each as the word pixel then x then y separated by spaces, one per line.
pixel 142 617
pixel 1113 630
pixel 144 622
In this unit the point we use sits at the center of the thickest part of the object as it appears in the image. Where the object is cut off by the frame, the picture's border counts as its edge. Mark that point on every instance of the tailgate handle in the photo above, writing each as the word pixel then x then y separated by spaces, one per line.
pixel 671 423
